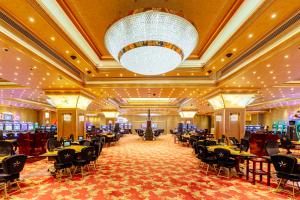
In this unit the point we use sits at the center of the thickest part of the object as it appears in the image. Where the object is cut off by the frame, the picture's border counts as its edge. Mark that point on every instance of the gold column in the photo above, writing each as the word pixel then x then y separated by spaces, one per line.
pixel 70 121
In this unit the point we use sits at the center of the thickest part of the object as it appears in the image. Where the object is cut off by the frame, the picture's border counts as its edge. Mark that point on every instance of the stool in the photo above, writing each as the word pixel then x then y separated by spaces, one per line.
pixel 260 170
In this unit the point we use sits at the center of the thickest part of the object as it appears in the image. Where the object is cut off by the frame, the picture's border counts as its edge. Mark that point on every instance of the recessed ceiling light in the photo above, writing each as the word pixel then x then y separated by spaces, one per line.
pixel 250 35
pixel 234 49
pixel 268 65
pixel 78 61
pixel 254 72
pixel 106 75
pixel 67 51
pixel 31 19
pixel 52 38
pixel 288 72
pixel 18 59
pixel 274 15
pixel 286 56
pixel 258 77
pixel 274 77
pixel 48 74
pixel 271 72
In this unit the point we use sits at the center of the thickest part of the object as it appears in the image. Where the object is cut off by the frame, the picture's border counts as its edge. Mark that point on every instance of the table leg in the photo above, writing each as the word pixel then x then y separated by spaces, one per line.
pixel 254 172
pixel 260 167
pixel 269 174
pixel 247 170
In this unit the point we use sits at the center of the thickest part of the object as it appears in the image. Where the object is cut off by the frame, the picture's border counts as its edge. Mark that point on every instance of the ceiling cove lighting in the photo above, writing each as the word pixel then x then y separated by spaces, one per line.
pixel 247 8
pixel 151 41
pixel 110 114
pixel 60 17
pixel 187 114
pixel 69 101
pixel 35 51
pixel 221 101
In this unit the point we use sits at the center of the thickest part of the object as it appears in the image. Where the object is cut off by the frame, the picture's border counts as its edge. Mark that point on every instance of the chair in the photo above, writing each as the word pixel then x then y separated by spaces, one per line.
pixel 85 158
pixel 285 169
pixel 244 146
pixel 140 133
pixel 206 157
pixel 65 159
pixel 234 141
pixel 98 148
pixel 6 148
pixel 51 144
pixel 272 147
pixel 287 144
pixel 224 160
pixel 71 138
pixel 12 166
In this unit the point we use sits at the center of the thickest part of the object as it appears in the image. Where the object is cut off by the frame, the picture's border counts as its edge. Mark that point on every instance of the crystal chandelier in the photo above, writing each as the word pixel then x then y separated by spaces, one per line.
pixel 151 41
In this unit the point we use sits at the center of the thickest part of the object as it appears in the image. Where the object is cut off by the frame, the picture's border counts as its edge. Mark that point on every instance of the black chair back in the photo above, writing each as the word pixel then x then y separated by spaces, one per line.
pixel 283 163
pixel 66 155
pixel 14 164
pixel 222 154
pixel 6 148
pixel 272 147
pixel 244 145
pixel 87 153
pixel 71 138
pixel 202 151
pixel 51 144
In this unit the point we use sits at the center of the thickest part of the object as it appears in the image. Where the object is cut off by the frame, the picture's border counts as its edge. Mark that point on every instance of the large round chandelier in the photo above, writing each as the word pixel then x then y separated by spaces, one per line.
pixel 151 41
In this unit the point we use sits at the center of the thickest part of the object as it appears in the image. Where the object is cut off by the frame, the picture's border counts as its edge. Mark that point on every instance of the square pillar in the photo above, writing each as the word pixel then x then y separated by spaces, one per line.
pixel 70 121
pixel 230 122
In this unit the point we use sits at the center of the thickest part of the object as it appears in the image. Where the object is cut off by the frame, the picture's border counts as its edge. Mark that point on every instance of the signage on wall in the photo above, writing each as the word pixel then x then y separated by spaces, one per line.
pixel 234 117
pixel 47 115
pixel 67 117
pixel 81 118
pixel 218 118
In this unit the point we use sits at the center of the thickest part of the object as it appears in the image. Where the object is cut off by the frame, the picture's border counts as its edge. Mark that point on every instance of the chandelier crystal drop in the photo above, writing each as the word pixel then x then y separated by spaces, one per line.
pixel 151 42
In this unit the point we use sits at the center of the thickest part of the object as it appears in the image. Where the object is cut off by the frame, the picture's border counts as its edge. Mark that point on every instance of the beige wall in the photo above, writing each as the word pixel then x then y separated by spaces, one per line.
pixel 202 121
pixel 255 118
pixel 281 114
pixel 27 115
pixel 96 120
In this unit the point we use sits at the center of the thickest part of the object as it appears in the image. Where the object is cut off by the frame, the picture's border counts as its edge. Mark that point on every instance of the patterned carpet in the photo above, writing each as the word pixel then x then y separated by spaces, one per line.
pixel 136 169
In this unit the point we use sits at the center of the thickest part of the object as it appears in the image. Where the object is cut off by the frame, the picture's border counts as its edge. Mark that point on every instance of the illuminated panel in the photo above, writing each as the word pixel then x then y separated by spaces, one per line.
pixel 187 114
pixel 69 101
pixel 231 100
pixel 217 102
pixel 237 100
pixel 111 114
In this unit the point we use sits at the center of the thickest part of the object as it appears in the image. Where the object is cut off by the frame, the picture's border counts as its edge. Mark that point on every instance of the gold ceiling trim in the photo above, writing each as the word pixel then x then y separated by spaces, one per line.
pixel 33 103
pixel 153 43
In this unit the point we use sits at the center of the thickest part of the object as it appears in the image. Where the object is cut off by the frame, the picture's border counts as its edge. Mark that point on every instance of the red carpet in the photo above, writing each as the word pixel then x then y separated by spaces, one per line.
pixel 136 169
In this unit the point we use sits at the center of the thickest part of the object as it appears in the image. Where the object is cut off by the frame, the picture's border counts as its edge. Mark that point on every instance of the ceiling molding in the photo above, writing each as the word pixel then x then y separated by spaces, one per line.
pixel 233 66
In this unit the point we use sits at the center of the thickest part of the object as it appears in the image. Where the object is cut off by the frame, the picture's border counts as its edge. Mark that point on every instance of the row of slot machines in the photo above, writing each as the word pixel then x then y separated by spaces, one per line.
pixel 254 128
pixel 22 127
pixel 48 128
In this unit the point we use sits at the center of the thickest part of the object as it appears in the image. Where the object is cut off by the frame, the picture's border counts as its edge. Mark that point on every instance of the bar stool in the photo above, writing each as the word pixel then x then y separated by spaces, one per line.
pixel 260 171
